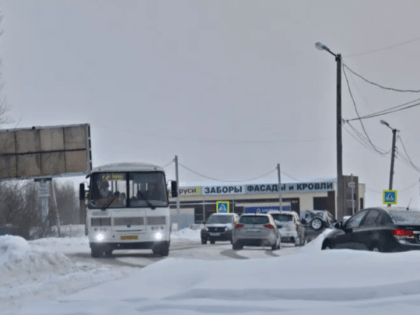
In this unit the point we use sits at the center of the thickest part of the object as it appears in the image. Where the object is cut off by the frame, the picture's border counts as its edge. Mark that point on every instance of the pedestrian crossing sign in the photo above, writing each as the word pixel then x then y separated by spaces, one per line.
pixel 389 197
pixel 222 206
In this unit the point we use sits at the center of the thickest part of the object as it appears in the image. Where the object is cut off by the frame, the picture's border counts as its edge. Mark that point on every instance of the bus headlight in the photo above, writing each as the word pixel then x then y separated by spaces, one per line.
pixel 100 237
pixel 158 235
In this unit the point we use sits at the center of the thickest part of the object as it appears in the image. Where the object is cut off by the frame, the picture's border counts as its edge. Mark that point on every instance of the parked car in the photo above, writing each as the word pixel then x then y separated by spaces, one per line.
pixel 256 230
pixel 316 219
pixel 379 229
pixel 219 227
pixel 290 228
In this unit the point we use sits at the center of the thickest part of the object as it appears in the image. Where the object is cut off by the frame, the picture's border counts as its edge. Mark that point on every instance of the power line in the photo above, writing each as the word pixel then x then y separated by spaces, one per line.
pixel 207 140
pixel 359 138
pixel 290 176
pixel 406 153
pixel 168 164
pixel 355 107
pixel 389 110
pixel 221 180
pixel 402 190
pixel 384 48
pixel 378 85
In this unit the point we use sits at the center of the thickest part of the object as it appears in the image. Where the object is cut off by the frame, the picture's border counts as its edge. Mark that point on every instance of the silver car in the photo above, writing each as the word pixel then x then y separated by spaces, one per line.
pixel 255 230
pixel 290 228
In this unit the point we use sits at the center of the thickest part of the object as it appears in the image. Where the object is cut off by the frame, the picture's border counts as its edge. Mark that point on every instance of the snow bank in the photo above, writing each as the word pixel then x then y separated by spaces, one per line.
pixel 17 256
pixel 39 269
pixel 316 244
pixel 186 233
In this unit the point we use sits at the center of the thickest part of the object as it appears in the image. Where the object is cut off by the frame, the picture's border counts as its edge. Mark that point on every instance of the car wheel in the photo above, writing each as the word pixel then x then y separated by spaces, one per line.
pixel 204 241
pixel 304 241
pixel 236 246
pixel 212 241
pixel 327 245
pixel 375 248
pixel 316 224
pixel 298 242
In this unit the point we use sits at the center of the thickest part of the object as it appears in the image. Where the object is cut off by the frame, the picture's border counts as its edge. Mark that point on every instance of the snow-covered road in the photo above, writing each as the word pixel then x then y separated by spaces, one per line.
pixel 58 276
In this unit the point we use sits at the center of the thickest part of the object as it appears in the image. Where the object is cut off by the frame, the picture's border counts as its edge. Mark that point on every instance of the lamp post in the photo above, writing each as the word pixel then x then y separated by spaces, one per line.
pixel 394 134
pixel 340 185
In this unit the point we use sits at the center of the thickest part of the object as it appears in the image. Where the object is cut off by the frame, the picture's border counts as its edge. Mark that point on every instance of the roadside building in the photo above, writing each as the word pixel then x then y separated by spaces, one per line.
pixel 198 200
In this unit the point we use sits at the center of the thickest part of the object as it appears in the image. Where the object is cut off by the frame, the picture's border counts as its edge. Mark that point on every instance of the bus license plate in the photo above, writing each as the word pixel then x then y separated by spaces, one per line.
pixel 129 237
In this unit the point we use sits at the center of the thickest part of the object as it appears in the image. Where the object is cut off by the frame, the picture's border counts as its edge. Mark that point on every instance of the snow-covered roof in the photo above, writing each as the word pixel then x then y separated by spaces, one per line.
pixel 127 167
pixel 257 181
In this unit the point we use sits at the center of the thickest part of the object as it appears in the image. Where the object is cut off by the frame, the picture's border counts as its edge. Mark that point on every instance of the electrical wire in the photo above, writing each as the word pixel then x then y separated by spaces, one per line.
pixel 359 138
pixel 406 153
pixel 290 176
pixel 378 85
pixel 355 107
pixel 402 190
pixel 221 180
pixel 168 164
pixel 389 110
pixel 384 48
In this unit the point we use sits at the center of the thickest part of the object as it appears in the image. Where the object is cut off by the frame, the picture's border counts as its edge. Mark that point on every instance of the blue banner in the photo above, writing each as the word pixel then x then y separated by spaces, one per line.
pixel 265 209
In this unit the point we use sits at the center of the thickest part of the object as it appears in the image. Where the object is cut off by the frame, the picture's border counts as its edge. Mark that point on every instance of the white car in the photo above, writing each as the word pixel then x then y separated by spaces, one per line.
pixel 289 226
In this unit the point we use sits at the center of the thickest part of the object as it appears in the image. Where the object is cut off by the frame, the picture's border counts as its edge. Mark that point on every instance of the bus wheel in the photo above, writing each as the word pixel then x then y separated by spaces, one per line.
pixel 108 253
pixel 164 249
pixel 95 252
pixel 161 249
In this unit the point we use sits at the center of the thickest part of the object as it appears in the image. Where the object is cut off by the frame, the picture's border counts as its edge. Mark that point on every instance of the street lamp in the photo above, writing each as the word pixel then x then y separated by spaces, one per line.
pixel 394 133
pixel 340 185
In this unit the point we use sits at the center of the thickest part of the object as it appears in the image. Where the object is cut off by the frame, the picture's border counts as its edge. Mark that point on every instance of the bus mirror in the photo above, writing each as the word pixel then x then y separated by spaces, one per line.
pixel 174 188
pixel 82 191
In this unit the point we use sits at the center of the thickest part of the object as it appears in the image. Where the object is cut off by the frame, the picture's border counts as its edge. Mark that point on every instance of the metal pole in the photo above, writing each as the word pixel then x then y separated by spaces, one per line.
pixel 279 178
pixel 394 133
pixel 57 215
pixel 340 187
pixel 177 184
pixel 352 195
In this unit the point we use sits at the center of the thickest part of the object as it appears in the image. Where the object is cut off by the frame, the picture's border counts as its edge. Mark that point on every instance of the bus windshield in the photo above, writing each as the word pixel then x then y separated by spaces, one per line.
pixel 128 190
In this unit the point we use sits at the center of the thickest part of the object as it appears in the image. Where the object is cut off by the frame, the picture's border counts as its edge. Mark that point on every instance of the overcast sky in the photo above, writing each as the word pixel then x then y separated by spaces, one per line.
pixel 231 87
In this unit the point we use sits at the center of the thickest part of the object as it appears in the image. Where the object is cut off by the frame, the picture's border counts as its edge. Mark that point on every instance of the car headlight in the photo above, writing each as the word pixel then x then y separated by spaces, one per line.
pixel 207 229
pixel 100 237
pixel 158 235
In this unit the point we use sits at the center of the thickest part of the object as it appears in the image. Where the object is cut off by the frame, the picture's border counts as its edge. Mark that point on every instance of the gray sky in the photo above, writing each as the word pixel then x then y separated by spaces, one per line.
pixel 231 87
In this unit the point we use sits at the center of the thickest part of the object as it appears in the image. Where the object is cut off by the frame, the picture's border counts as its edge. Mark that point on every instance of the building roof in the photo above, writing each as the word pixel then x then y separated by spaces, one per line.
pixel 256 182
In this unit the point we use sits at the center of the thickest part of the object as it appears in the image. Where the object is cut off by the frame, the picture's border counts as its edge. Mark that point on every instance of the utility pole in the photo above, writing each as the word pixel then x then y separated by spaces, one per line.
pixel 340 186
pixel 391 175
pixel 394 136
pixel 177 185
pixel 279 178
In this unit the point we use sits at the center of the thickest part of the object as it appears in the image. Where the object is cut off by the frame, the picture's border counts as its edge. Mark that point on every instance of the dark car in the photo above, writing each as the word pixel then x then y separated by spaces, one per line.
pixel 219 227
pixel 377 229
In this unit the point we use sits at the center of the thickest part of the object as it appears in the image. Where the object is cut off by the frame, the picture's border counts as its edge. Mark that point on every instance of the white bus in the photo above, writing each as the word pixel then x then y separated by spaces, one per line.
pixel 128 208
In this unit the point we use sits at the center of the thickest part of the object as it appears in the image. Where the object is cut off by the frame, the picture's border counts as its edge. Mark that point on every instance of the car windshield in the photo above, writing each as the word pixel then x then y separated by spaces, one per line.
pixel 258 219
pixel 405 217
pixel 214 219
pixel 282 217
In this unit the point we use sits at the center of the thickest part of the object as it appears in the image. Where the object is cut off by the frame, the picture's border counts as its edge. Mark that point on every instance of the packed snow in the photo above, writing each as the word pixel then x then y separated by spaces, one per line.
pixel 57 276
